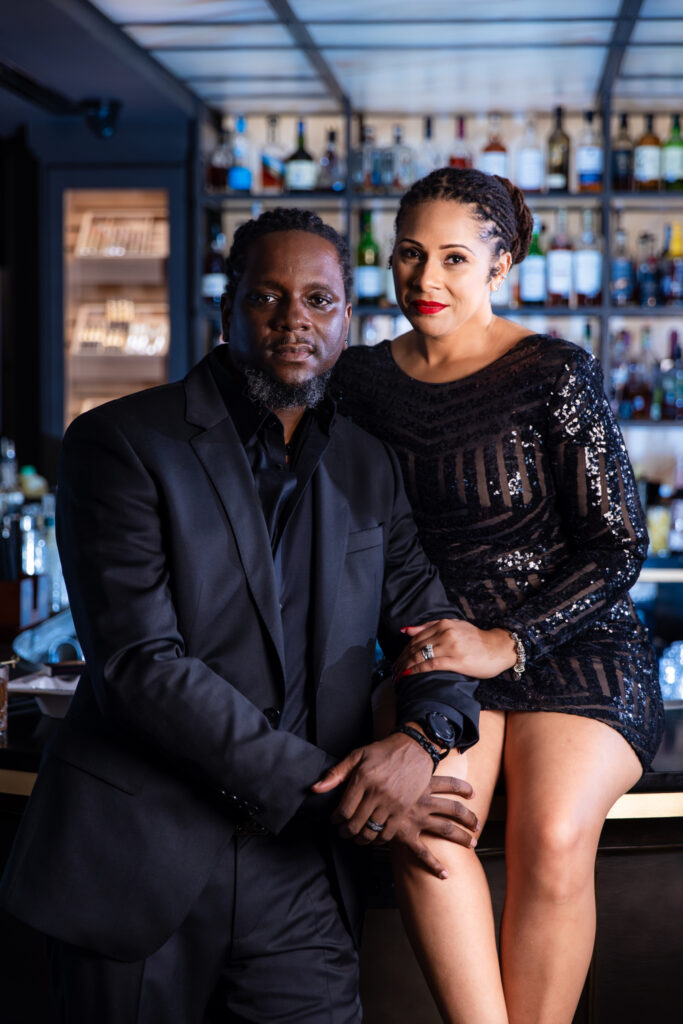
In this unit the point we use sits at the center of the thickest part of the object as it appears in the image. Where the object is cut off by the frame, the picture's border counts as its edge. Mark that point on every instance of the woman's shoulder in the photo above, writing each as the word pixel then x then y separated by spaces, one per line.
pixel 359 357
pixel 555 357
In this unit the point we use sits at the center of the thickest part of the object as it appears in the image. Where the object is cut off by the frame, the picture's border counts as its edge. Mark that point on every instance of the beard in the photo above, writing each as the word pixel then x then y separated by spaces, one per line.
pixel 272 393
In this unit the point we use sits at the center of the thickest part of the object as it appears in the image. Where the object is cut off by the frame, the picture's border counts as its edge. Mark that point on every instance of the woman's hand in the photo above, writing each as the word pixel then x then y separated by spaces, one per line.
pixel 458 646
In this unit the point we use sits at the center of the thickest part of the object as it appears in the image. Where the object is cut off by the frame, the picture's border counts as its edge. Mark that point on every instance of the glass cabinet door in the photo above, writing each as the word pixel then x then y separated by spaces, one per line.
pixel 116 296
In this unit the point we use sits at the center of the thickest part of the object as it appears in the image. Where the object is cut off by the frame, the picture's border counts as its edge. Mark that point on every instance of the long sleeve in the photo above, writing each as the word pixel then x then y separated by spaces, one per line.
pixel 601 512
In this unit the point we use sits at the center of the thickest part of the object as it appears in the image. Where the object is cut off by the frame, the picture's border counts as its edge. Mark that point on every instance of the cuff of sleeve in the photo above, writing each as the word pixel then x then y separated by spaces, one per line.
pixel 449 693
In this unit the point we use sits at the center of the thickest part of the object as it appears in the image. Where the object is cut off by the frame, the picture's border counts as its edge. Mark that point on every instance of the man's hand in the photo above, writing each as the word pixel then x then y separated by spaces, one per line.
pixel 390 783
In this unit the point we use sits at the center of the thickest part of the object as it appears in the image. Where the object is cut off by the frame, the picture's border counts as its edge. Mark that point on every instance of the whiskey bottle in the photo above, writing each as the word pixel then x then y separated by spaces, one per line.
pixel 301 170
pixel 647 159
pixel 588 264
pixel 493 158
pixel 672 158
pixel 559 263
pixel 589 157
pixel 461 156
pixel 622 157
pixel 558 156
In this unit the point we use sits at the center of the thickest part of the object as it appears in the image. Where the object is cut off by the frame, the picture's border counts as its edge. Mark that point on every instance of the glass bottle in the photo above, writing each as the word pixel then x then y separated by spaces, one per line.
pixel 273 161
pixel 676 533
pixel 558 156
pixel 530 160
pixel 493 158
pixel 671 268
pixel 589 157
pixel 559 263
pixel 622 276
pixel 672 370
pixel 622 157
pixel 647 159
pixel 403 161
pixel 214 279
pixel 647 275
pixel 239 172
pixel 588 264
pixel 461 156
pixel 301 170
pixel 331 177
pixel 672 158
pixel 532 282
pixel 368 274
pixel 219 162
pixel 428 155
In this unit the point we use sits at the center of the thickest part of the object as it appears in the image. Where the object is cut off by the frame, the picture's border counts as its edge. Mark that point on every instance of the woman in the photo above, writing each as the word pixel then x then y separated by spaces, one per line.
pixel 525 501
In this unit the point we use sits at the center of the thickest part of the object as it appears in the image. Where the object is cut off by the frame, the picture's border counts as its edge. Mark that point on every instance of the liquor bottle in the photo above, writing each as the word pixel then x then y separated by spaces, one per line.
pixel 403 161
pixel 219 162
pixel 273 161
pixel 671 267
pixel 239 172
pixel 587 339
pixel 672 158
pixel 428 156
pixel 588 264
pixel 332 174
pixel 622 276
pixel 676 531
pixel 622 157
pixel 589 157
pixel 369 275
pixel 647 159
pixel 530 160
pixel 619 375
pixel 461 156
pixel 214 279
pixel 558 156
pixel 532 283
pixel 647 273
pixel 559 263
pixel 672 381
pixel 493 158
pixel 301 170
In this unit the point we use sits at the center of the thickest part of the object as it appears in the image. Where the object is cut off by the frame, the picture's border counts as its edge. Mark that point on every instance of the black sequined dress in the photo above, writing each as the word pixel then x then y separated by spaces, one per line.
pixel 525 501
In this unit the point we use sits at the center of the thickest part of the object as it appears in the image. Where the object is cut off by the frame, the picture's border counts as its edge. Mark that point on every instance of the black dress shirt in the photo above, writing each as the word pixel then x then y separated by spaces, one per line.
pixel 282 474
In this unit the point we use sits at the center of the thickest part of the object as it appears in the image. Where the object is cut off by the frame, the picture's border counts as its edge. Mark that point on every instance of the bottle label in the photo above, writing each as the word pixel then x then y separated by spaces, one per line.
pixel 369 282
pixel 588 272
pixel 530 170
pixel 532 279
pixel 557 181
pixel 560 272
pixel 621 165
pixel 272 172
pixel 494 162
pixel 646 163
pixel 301 175
pixel 672 164
pixel 589 165
pixel 213 285
pixel 622 280
pixel 239 179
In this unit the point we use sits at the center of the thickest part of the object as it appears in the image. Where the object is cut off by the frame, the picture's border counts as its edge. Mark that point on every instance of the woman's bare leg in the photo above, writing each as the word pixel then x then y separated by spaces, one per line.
pixel 450 922
pixel 563 773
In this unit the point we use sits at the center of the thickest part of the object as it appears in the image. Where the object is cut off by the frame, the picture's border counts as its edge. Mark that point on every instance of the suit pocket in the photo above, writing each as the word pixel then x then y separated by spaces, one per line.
pixel 361 540
pixel 99 756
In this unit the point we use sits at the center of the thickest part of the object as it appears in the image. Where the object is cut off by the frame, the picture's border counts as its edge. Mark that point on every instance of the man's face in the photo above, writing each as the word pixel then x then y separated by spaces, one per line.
pixel 289 316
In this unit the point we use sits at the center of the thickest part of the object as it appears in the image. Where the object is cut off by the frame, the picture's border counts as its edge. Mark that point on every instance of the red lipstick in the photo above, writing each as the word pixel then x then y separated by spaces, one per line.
pixel 428 308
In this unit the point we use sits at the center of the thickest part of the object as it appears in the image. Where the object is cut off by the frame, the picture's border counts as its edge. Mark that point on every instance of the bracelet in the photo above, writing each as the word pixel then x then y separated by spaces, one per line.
pixel 433 752
pixel 520 664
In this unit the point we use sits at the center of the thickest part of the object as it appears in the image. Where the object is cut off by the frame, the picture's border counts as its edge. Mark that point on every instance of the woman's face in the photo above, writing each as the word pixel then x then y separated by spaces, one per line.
pixel 442 268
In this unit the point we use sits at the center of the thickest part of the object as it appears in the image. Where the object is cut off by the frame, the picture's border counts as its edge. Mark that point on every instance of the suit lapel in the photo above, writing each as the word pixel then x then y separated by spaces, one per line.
pixel 220 451
pixel 330 529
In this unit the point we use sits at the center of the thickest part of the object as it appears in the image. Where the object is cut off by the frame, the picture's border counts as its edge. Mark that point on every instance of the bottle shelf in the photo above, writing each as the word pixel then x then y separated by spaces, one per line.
pixel 649 424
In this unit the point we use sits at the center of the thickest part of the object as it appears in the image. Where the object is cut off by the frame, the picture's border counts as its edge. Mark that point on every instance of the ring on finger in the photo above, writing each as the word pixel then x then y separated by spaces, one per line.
pixel 427 652
pixel 374 826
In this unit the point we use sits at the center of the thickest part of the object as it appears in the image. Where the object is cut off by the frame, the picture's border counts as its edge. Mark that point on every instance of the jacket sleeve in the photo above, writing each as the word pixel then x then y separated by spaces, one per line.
pixel 149 691
pixel 602 516
pixel 413 594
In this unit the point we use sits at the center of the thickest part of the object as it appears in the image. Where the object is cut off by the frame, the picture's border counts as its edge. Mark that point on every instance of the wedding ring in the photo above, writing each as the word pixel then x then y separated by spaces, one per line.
pixel 374 825
pixel 427 652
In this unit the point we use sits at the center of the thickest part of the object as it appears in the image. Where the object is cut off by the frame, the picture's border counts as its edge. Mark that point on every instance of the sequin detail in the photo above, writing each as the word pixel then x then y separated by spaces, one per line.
pixel 525 501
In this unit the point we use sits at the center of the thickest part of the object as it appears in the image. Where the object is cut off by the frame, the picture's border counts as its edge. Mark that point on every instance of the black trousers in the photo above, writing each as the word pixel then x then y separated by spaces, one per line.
pixel 265 942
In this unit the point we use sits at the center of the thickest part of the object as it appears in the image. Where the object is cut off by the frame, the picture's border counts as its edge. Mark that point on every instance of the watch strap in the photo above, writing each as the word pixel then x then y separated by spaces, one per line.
pixel 436 755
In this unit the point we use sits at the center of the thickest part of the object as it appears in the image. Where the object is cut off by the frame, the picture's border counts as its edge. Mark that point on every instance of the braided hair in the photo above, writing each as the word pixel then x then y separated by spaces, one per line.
pixel 283 219
pixel 497 203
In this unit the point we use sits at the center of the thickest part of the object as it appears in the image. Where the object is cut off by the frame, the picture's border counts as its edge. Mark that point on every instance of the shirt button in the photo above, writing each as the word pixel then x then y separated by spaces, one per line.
pixel 273 716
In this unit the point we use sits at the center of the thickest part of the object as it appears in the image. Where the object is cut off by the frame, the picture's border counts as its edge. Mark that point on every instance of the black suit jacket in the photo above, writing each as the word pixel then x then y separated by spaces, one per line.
pixel 171 581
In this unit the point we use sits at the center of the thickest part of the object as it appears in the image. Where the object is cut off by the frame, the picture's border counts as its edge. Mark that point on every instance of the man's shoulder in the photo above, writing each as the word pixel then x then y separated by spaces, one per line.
pixel 360 448
pixel 152 406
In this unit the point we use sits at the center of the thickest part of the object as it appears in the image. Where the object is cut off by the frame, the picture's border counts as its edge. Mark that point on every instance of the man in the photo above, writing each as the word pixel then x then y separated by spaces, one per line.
pixel 230 548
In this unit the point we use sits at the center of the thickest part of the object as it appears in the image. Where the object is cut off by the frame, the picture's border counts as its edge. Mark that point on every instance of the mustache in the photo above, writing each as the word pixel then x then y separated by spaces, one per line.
pixel 293 339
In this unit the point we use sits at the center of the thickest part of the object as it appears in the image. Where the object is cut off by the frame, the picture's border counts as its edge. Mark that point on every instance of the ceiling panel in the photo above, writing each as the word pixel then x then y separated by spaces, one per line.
pixel 451 34
pixel 661 9
pixel 263 87
pixel 192 63
pixel 648 94
pixel 469 81
pixel 278 104
pixel 153 37
pixel 669 31
pixel 491 10
pixel 125 11
pixel 659 60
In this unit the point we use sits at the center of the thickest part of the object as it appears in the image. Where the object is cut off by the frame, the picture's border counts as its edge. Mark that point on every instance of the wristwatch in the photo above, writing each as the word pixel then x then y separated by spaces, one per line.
pixel 439 729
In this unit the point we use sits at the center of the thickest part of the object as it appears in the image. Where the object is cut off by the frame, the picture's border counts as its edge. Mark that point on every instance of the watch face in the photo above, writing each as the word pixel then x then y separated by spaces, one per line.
pixel 441 729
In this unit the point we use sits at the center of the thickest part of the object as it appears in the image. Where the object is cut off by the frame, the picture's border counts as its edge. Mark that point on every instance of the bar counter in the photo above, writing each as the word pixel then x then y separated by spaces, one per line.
pixel 635 973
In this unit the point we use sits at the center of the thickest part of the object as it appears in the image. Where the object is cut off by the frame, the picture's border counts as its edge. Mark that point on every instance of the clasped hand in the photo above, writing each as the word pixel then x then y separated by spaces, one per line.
pixel 458 646
pixel 390 782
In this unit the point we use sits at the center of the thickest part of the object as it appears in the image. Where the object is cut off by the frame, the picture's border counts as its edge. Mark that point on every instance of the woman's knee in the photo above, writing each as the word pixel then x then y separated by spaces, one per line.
pixel 553 857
